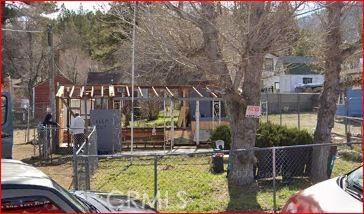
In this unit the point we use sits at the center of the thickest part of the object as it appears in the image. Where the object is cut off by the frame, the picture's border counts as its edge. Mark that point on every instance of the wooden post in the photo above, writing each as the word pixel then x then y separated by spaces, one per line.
pixel 185 105
pixel 52 100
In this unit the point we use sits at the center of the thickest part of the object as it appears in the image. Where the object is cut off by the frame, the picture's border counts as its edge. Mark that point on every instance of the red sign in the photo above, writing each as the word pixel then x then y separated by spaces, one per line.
pixel 253 111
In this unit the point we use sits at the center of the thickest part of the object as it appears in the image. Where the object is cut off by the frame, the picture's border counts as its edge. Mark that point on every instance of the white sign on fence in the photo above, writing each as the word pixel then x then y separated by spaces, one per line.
pixel 253 111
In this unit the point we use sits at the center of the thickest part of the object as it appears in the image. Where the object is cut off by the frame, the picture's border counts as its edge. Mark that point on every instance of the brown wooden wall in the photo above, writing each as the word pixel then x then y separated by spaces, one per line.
pixel 41 95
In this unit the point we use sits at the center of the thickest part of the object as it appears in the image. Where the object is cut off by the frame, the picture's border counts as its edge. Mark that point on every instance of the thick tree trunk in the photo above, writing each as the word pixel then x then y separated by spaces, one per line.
pixel 330 93
pixel 244 129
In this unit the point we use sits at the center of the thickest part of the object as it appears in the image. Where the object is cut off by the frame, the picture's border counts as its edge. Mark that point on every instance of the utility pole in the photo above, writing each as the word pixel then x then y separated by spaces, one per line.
pixel 52 98
pixel 132 80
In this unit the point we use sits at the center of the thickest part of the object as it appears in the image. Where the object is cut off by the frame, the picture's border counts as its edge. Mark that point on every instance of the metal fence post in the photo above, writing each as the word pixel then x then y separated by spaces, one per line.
pixel 267 110
pixel 155 181
pixel 280 108
pixel 274 177
pixel 87 165
pixel 347 115
pixel 46 143
pixel 298 110
pixel 75 169
pixel 34 142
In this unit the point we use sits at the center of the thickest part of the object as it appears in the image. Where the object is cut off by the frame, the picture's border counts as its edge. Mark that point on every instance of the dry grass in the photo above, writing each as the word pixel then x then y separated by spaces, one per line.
pixel 308 122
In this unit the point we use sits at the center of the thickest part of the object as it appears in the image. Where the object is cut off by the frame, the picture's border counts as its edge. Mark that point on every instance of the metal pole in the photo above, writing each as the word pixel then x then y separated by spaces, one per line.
pixel 267 106
pixel 280 108
pixel 298 111
pixel 25 132
pixel 87 165
pixel 28 119
pixel 46 143
pixel 172 124
pixel 132 80
pixel 34 141
pixel 346 118
pixel 75 169
pixel 197 115
pixel 155 182
pixel 274 177
pixel 164 124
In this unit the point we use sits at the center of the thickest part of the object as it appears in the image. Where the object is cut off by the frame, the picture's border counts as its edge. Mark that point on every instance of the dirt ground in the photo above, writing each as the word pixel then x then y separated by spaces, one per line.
pixel 59 168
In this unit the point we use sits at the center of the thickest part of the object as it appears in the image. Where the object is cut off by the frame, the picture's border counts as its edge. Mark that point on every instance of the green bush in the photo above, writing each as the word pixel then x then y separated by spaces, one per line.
pixel 221 133
pixel 268 135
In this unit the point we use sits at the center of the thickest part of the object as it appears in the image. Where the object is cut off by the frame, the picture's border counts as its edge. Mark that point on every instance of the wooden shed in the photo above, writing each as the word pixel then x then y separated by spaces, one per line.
pixel 83 99
pixel 41 95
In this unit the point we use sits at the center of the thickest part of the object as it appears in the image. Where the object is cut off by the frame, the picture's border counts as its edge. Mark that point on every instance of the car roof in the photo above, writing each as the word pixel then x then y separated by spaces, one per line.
pixel 14 172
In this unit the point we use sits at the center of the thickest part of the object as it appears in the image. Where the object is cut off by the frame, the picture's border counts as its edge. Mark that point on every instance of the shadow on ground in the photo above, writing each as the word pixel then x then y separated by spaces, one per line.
pixel 351 122
pixel 55 161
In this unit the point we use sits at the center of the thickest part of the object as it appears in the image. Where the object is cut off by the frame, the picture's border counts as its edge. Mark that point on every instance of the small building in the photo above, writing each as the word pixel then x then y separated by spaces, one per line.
pixel 41 95
pixel 350 102
pixel 290 73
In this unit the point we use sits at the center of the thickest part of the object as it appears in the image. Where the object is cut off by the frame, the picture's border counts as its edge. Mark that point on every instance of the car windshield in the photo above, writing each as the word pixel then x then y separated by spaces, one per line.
pixel 75 201
pixel 354 181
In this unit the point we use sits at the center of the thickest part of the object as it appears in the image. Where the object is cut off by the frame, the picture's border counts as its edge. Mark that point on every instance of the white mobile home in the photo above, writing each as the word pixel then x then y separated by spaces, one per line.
pixel 291 72
pixel 289 82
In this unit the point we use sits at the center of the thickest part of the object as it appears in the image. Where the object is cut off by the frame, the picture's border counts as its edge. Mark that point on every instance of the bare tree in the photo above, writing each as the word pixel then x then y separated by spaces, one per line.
pixel 25 57
pixel 334 56
pixel 224 43
pixel 24 51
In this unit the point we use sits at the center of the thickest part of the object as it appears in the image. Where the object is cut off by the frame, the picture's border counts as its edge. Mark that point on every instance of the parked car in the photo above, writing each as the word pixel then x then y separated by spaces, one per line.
pixel 27 189
pixel 342 194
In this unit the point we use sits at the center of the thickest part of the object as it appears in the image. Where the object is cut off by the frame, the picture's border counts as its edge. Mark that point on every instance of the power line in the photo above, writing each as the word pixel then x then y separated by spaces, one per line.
pixel 25 31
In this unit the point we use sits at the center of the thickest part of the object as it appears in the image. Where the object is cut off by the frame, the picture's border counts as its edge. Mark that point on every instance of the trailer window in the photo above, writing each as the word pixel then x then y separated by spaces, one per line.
pixel 306 80
pixel 4 109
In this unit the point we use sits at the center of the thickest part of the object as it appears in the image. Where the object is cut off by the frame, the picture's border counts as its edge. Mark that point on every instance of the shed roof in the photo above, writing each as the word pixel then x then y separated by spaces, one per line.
pixel 125 92
pixel 297 59
pixel 58 76
pixel 300 69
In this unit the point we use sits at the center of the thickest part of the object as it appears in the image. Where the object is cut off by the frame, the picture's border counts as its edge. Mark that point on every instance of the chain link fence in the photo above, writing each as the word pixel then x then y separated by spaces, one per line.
pixel 198 181
pixel 300 109
pixel 85 159
pixel 50 143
